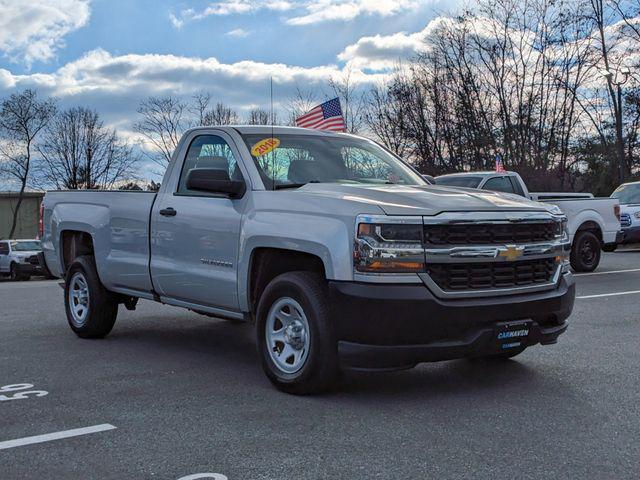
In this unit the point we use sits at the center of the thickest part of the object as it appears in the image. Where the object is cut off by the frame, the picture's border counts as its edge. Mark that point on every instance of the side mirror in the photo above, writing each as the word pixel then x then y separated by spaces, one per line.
pixel 215 180
pixel 429 179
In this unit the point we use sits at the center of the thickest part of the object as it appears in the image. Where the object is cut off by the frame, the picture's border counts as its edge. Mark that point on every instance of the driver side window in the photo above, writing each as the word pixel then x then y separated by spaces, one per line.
pixel 212 152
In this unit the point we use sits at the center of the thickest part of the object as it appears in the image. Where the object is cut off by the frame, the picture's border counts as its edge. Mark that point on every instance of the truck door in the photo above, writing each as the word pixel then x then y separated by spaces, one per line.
pixel 195 235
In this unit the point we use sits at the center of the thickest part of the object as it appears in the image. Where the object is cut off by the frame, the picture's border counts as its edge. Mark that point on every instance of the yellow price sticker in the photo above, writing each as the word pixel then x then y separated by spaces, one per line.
pixel 265 146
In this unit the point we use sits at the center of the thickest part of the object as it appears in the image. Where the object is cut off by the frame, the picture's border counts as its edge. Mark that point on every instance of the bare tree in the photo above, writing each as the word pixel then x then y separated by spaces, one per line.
pixel 79 152
pixel 161 125
pixel 198 108
pixel 385 117
pixel 352 100
pixel 258 116
pixel 300 103
pixel 599 13
pixel 22 118
pixel 221 115
pixel 629 11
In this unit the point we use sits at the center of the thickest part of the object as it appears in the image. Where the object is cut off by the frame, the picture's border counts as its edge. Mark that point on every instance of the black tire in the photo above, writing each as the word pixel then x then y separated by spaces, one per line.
pixel 609 248
pixel 102 306
pixel 25 277
pixel 585 252
pixel 319 371
pixel 14 275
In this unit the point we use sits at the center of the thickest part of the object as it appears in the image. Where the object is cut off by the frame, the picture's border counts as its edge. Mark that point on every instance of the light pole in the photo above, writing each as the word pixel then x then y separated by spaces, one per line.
pixel 616 97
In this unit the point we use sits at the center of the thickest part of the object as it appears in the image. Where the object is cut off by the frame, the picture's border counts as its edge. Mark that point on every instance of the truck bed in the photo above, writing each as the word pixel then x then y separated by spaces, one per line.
pixel 118 220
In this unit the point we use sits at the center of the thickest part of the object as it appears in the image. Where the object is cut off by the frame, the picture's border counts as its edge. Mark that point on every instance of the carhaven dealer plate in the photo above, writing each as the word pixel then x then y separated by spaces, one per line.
pixel 512 335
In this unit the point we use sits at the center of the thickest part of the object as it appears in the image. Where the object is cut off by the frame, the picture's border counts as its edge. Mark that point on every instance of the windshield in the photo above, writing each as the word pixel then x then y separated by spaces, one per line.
pixel 25 246
pixel 459 181
pixel 291 160
pixel 627 194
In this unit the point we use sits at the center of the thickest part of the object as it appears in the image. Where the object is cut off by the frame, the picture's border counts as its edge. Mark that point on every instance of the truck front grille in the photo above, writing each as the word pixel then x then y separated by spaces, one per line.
pixel 625 220
pixel 33 260
pixel 480 276
pixel 489 234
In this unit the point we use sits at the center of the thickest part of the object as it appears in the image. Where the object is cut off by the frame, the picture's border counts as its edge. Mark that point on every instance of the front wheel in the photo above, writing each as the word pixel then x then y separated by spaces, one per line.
pixel 585 252
pixel 296 341
pixel 91 309
pixel 14 274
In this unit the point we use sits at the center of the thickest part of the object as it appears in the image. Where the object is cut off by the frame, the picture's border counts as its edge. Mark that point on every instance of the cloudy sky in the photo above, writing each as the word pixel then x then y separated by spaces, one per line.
pixel 108 54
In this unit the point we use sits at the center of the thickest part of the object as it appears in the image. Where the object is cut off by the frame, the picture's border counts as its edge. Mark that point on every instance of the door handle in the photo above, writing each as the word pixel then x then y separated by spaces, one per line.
pixel 168 212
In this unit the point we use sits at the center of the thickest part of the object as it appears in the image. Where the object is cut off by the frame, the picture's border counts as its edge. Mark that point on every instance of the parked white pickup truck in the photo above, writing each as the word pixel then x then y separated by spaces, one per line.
pixel 342 255
pixel 19 259
pixel 593 223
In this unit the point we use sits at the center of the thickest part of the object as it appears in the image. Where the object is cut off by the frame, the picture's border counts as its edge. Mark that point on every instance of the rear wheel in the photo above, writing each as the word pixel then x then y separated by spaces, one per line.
pixel 585 252
pixel 297 346
pixel 91 309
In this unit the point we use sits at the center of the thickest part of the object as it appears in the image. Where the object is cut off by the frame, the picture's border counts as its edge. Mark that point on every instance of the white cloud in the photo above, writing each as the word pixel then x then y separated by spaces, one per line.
pixel 382 52
pixel 115 84
pixel 34 30
pixel 302 12
pixel 343 10
pixel 228 7
pixel 238 33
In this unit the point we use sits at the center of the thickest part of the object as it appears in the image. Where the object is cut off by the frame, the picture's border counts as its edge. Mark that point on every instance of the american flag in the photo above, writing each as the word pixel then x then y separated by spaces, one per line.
pixel 326 116
pixel 499 165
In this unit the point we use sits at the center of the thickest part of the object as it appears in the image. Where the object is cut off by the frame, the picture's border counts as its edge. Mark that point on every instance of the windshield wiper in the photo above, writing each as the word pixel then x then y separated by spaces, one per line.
pixel 293 185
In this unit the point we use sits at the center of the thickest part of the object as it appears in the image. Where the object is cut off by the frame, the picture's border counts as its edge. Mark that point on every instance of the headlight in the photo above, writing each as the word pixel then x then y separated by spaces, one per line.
pixel 637 214
pixel 388 247
pixel 561 228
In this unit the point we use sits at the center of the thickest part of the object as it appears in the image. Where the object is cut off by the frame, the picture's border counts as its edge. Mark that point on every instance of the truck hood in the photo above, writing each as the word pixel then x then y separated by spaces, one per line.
pixel 24 254
pixel 424 200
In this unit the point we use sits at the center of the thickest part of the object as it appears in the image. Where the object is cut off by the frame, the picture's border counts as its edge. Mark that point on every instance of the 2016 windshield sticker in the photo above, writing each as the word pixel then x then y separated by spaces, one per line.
pixel 265 146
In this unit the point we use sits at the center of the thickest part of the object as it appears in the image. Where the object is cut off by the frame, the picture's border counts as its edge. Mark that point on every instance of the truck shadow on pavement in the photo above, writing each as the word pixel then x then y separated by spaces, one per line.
pixel 449 377
pixel 227 352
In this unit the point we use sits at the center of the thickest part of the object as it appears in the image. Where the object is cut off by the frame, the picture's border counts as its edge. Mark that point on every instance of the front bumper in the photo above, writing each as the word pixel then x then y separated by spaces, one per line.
pixel 29 269
pixel 630 235
pixel 398 326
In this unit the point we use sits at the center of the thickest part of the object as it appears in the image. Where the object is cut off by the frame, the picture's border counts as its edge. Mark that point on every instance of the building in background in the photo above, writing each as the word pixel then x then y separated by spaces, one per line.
pixel 28 215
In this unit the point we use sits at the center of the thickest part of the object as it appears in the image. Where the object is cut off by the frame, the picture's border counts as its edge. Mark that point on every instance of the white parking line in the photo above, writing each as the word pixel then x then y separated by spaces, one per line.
pixel 7 285
pixel 608 294
pixel 19 442
pixel 606 273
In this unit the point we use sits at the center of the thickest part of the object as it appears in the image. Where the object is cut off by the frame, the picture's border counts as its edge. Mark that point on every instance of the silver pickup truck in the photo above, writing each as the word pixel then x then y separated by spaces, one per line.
pixel 342 255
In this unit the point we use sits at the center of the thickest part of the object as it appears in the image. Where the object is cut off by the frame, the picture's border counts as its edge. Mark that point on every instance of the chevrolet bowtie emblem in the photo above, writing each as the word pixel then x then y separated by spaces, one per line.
pixel 511 252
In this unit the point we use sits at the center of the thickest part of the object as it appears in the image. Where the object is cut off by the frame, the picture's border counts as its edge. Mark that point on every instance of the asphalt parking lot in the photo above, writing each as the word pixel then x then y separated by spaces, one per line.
pixel 170 394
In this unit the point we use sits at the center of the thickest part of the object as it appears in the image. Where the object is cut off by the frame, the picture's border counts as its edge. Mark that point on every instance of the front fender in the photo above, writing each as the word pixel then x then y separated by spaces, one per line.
pixel 328 238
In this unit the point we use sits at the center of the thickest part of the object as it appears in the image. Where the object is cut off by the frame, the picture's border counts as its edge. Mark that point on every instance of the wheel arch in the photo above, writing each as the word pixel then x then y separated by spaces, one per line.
pixel 591 226
pixel 74 243
pixel 266 263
